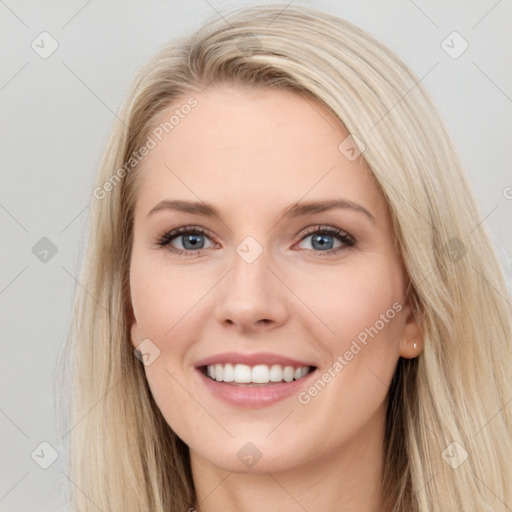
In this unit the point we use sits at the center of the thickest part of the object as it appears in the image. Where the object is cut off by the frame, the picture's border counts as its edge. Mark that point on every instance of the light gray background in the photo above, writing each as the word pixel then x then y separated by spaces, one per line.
pixel 56 114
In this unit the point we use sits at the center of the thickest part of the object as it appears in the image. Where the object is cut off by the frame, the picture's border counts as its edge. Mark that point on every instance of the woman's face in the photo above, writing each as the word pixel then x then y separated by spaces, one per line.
pixel 271 277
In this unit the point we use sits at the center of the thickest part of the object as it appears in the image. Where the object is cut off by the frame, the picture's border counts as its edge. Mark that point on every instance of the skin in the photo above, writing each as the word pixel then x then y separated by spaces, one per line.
pixel 252 153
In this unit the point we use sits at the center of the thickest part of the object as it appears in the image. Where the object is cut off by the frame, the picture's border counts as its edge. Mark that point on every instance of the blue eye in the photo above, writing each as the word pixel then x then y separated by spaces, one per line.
pixel 192 240
pixel 321 237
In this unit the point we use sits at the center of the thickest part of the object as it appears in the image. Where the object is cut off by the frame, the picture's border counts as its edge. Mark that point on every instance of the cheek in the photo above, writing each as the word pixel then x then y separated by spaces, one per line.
pixel 166 306
pixel 172 396
pixel 358 302
pixel 164 298
pixel 362 307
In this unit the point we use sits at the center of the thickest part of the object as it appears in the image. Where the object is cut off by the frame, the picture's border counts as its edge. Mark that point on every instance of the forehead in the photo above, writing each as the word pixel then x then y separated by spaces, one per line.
pixel 252 146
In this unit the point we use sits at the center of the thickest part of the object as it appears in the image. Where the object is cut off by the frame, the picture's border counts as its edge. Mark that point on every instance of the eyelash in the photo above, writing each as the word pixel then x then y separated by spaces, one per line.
pixel 168 237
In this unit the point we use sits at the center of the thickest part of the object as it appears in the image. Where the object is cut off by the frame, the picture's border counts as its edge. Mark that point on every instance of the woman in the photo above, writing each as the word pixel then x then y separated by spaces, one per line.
pixel 286 302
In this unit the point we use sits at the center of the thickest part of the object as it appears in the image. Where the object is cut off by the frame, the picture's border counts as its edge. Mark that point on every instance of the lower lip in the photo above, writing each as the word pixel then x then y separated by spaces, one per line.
pixel 258 396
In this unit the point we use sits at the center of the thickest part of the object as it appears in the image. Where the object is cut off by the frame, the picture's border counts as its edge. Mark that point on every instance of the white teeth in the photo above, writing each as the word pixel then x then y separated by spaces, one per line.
pixel 242 373
pixel 259 374
pixel 219 372
pixel 288 373
pixel 229 373
pixel 276 373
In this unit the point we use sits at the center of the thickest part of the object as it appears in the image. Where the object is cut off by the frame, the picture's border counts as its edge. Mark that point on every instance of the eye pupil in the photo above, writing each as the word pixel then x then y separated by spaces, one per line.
pixel 321 239
pixel 193 239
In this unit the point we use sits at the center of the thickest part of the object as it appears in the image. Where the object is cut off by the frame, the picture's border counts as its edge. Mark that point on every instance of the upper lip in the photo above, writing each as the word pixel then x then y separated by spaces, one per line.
pixel 267 358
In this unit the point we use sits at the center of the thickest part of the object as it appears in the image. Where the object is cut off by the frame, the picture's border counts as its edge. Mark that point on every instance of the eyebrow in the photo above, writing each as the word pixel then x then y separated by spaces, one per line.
pixel 293 211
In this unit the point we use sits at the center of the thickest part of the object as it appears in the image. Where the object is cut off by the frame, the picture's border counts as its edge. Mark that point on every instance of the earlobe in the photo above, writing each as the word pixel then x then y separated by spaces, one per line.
pixel 410 349
pixel 411 342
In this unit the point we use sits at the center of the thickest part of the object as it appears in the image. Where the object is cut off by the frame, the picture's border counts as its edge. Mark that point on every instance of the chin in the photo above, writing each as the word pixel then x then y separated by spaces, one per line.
pixel 256 456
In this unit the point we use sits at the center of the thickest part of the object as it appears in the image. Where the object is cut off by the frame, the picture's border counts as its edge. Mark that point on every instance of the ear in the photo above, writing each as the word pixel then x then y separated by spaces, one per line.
pixel 411 334
pixel 134 329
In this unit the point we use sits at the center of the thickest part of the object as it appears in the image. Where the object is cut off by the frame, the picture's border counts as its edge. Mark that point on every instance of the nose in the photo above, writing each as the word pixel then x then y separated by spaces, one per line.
pixel 251 298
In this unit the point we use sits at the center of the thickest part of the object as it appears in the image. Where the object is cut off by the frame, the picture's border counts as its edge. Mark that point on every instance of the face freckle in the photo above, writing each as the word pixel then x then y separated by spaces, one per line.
pixel 260 280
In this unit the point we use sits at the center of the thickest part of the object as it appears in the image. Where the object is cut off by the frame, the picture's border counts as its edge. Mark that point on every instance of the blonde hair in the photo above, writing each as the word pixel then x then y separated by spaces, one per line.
pixel 124 456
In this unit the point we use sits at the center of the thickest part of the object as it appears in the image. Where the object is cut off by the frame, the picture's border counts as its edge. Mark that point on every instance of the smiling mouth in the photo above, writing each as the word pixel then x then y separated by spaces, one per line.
pixel 255 376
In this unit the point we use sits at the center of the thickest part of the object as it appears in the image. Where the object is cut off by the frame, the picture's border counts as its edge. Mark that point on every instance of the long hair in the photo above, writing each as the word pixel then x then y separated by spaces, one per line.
pixel 448 439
